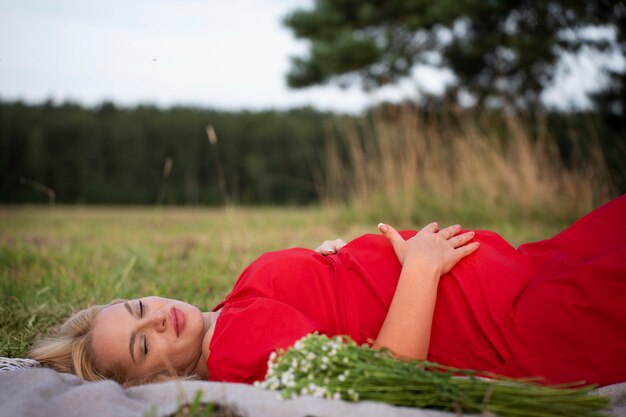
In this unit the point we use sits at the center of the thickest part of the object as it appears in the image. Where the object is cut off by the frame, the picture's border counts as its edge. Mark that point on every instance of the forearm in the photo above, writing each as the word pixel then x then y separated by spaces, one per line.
pixel 406 329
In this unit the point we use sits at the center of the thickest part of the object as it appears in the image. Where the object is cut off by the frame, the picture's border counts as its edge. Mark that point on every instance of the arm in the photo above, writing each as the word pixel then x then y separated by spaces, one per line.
pixel 425 258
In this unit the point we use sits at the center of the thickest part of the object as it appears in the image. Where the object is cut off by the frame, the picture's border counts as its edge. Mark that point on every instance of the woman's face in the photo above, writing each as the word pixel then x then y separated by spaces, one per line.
pixel 148 334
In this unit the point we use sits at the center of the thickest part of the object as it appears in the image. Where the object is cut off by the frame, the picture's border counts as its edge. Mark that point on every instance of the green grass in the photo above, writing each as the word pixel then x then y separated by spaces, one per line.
pixel 54 261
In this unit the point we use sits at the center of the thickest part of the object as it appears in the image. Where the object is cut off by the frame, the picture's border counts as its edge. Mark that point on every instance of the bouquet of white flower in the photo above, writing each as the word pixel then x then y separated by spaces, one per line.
pixel 339 369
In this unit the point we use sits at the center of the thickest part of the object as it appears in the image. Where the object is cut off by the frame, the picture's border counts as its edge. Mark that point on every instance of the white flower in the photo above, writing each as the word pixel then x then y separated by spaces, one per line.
pixel 287 379
pixel 336 396
pixel 272 384
pixel 319 392
pixel 354 396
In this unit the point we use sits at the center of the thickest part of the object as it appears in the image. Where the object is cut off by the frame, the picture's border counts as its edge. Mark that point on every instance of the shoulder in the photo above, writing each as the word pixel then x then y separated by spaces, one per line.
pixel 278 272
pixel 247 331
pixel 279 263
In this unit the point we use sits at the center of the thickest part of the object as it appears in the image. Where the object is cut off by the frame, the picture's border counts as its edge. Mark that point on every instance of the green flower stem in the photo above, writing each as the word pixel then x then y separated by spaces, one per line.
pixel 338 368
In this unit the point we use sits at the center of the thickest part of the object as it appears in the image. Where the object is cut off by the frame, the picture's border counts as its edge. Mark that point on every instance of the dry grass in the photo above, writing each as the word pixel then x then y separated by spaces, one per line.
pixel 459 167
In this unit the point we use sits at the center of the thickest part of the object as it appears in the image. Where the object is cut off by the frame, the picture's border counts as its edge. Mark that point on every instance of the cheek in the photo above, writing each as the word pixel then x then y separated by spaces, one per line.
pixel 162 356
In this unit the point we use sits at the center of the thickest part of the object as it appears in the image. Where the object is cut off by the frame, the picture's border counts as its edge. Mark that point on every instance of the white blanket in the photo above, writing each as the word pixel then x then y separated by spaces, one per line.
pixel 44 392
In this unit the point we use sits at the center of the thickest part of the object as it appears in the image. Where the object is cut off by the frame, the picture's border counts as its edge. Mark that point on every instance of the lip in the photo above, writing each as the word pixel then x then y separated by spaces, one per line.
pixel 178 320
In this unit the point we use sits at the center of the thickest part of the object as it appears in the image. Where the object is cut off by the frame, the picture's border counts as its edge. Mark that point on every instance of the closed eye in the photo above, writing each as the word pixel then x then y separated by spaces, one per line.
pixel 145 338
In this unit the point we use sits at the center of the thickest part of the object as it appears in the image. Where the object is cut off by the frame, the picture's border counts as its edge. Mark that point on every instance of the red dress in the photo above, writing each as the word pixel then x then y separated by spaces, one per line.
pixel 555 309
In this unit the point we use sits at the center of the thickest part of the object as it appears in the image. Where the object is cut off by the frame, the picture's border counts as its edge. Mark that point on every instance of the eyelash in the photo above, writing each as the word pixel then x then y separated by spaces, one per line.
pixel 145 339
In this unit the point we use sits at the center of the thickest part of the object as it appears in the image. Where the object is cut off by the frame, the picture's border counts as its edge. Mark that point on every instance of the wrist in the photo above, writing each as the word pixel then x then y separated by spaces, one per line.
pixel 422 268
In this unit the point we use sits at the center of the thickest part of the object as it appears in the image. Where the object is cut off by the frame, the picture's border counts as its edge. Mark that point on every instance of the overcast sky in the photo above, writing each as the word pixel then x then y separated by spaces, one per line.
pixel 227 54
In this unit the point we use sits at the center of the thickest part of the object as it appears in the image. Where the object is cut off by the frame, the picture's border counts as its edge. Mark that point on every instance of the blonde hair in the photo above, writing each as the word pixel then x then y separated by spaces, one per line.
pixel 70 350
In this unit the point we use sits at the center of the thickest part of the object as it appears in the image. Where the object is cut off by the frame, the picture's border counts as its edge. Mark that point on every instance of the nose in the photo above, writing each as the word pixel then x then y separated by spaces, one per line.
pixel 156 320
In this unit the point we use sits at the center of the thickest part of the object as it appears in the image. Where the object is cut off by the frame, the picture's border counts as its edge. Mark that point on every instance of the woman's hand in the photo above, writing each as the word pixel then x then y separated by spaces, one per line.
pixel 441 249
pixel 425 258
pixel 330 247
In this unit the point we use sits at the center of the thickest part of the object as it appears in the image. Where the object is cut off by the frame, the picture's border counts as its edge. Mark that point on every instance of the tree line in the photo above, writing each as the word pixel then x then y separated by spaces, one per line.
pixel 147 155
pixel 180 155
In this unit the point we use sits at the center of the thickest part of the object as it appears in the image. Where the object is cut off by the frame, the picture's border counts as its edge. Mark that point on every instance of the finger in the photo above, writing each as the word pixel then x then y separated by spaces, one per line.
pixel 392 234
pixel 329 247
pixel 463 251
pixel 450 231
pixel 338 244
pixel 462 239
pixel 324 251
pixel 432 227
pixel 325 248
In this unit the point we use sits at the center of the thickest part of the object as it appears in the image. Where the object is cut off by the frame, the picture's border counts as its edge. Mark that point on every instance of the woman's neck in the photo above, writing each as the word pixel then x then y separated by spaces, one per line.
pixel 210 319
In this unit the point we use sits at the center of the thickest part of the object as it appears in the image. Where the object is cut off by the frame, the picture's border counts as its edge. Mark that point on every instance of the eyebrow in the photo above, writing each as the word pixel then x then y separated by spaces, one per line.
pixel 131 345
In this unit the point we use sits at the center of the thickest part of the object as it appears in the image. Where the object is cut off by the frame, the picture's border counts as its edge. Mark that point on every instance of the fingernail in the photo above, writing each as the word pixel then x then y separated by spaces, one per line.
pixel 330 250
pixel 383 227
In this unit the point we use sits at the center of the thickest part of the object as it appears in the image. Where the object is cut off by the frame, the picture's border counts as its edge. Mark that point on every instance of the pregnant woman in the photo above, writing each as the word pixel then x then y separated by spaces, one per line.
pixel 553 309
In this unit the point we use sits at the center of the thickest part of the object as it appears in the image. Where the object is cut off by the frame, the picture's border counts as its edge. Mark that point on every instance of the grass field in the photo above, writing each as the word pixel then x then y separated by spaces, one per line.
pixel 57 260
